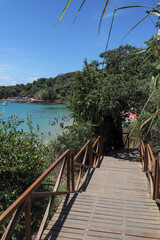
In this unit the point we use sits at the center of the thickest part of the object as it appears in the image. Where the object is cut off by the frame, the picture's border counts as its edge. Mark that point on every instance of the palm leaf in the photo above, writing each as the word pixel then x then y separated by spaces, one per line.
pixel 151 123
pixel 149 119
pixel 146 103
pixel 156 81
pixel 104 9
pixel 69 1
pixel 79 10
pixel 113 19
pixel 135 26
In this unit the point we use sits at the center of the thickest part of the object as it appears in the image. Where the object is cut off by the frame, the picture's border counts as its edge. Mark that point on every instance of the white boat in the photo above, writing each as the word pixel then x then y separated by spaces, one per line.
pixel 4 103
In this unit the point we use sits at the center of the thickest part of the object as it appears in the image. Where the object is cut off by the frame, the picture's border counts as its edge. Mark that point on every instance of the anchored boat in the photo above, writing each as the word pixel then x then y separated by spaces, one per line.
pixel 4 103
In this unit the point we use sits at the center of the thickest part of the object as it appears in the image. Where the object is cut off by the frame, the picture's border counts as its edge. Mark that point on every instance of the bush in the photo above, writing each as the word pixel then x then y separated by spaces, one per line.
pixel 74 138
pixel 21 163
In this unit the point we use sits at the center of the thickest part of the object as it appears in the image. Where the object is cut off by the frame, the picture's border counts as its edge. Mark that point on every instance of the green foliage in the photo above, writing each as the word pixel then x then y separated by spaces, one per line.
pixel 74 138
pixel 47 89
pixel 102 90
pixel 21 163
pixel 46 94
pixel 151 104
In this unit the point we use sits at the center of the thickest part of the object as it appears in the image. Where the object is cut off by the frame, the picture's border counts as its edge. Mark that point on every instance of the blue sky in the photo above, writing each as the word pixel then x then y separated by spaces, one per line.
pixel 31 46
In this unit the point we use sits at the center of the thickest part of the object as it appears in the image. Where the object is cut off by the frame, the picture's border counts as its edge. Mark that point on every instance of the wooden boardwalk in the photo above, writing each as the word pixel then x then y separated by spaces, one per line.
pixel 114 204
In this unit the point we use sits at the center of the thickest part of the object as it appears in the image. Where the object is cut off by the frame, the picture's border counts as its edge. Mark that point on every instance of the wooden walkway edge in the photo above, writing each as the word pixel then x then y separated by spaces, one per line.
pixel 114 204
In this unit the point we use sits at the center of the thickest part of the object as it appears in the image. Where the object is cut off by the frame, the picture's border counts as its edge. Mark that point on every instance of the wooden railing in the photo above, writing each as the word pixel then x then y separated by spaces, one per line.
pixel 87 158
pixel 150 164
pixel 131 142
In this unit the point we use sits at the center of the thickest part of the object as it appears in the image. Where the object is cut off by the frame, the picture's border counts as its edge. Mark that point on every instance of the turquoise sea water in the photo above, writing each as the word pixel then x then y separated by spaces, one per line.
pixel 41 115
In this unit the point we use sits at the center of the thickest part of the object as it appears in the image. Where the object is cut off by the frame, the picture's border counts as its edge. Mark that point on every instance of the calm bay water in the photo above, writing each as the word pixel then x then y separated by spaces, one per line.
pixel 43 115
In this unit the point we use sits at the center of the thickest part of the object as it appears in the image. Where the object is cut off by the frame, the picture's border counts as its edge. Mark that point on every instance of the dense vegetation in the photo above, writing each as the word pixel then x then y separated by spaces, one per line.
pixel 103 90
pixel 50 89
pixel 21 163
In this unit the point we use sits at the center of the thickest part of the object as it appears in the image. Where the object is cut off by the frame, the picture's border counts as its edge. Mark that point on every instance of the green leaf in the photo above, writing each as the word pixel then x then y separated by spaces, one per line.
pixel 135 26
pixel 104 9
pixel 79 10
pixel 158 66
pixel 149 119
pixel 113 20
pixel 69 1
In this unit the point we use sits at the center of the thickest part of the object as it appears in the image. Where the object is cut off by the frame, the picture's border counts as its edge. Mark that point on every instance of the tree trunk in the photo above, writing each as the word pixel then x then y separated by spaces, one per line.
pixel 111 131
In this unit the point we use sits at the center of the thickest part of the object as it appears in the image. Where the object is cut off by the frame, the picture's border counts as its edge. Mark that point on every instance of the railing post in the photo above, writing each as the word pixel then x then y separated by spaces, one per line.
pixel 141 154
pixel 68 173
pixel 72 171
pixel 128 139
pixel 145 159
pixel 156 179
pixel 130 143
pixel 100 146
pixel 28 233
pixel 133 143
pixel 90 150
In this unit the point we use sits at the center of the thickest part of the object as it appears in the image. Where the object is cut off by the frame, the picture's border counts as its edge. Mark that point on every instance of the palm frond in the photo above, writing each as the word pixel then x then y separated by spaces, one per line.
pixel 156 81
pixel 135 26
pixel 104 9
pixel 79 10
pixel 154 114
pixel 125 7
pixel 69 1
pixel 151 123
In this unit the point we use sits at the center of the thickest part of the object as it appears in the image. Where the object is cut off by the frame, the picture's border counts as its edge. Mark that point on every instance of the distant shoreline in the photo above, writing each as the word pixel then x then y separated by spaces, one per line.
pixel 33 100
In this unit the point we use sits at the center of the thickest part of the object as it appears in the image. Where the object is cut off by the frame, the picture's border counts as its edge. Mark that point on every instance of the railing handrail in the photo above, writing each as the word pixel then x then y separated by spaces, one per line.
pixel 94 144
pixel 24 199
pixel 29 190
pixel 151 166
pixel 82 149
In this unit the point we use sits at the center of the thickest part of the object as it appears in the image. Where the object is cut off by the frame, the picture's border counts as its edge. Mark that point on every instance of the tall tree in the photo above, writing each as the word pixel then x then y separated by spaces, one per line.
pixel 99 95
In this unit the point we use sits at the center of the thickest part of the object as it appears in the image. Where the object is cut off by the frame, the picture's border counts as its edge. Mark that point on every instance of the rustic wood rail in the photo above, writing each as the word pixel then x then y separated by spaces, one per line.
pixel 87 158
pixel 150 163
pixel 131 142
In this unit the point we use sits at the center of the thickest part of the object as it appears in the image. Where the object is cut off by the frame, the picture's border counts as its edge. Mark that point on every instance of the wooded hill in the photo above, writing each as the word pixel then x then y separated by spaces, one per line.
pixel 57 88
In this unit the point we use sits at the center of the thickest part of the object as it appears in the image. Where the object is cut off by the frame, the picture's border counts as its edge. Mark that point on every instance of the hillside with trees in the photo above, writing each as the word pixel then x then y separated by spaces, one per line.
pixel 47 89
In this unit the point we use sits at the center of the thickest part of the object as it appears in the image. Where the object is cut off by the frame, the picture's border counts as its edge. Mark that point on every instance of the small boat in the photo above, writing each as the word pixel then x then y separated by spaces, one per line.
pixel 4 103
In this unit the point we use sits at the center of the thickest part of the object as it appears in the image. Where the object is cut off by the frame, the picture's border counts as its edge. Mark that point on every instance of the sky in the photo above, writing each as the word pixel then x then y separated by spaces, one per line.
pixel 32 46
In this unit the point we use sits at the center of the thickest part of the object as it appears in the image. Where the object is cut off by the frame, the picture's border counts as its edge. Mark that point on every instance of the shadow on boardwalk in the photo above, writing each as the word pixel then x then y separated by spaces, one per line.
pixel 67 205
pixel 129 154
